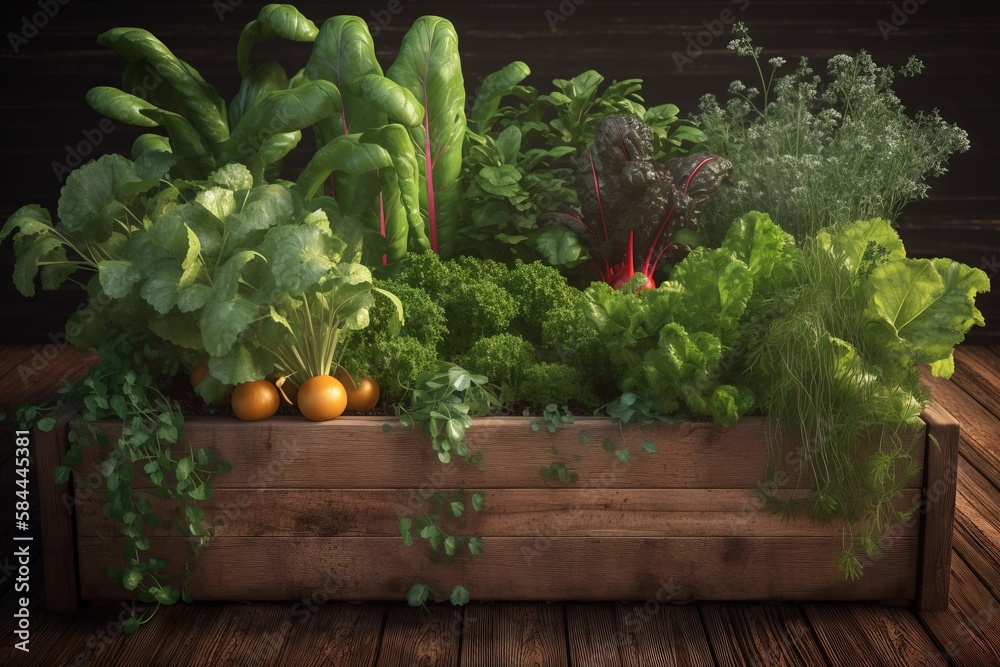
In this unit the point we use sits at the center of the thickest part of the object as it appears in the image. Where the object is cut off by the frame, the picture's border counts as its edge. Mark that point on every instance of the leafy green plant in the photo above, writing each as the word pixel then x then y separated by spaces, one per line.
pixel 124 387
pixel 834 342
pixel 813 153
pixel 432 523
pixel 520 159
pixel 443 403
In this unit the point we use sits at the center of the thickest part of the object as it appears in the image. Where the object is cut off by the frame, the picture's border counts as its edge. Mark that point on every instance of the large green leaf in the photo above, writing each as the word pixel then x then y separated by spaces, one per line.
pixel 194 98
pixel 89 201
pixel 266 206
pixel 117 277
pixel 430 67
pixel 343 154
pixel 869 241
pixel 161 288
pixel 279 112
pixel 273 21
pixel 30 220
pixel 398 103
pixel 194 156
pixel 929 303
pixel 226 282
pixel 298 256
pixel 121 106
pixel 224 322
pixel 405 227
pixel 759 243
pixel 26 265
pixel 241 364
pixel 492 90
pixel 717 287
pixel 343 54
pixel 258 81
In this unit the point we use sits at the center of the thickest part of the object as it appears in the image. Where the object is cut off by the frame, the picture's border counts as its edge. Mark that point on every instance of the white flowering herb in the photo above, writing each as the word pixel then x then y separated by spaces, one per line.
pixel 815 151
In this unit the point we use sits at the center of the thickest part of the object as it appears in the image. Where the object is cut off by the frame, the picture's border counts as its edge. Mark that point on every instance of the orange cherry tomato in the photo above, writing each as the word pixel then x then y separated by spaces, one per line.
pixel 361 396
pixel 254 401
pixel 198 374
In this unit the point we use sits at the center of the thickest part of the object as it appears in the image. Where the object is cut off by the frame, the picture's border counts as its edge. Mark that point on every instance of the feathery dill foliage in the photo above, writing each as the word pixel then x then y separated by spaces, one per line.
pixel 814 153
pixel 825 371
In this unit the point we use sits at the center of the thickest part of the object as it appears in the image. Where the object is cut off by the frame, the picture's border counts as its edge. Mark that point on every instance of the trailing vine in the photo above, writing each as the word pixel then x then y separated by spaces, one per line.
pixel 123 387
pixel 442 405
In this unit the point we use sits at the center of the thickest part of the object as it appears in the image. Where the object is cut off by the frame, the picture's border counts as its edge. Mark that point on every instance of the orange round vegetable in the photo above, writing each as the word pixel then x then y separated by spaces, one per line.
pixel 362 396
pixel 321 398
pixel 198 374
pixel 253 401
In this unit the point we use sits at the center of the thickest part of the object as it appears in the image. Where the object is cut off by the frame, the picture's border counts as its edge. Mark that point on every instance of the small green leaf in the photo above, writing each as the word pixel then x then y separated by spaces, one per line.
pixel 608 445
pixel 46 424
pixel 417 595
pixel 61 474
pixel 404 526
pixel 477 502
pixel 457 508
pixel 184 468
pixel 386 427
pixel 622 455
pixel 459 596
pixel 648 446
pixel 130 625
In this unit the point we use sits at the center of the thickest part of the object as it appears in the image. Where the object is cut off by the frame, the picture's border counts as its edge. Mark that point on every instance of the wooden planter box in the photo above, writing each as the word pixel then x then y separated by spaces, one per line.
pixel 311 511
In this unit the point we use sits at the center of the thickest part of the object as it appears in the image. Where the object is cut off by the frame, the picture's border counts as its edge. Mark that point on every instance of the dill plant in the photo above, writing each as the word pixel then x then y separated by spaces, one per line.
pixel 843 383
pixel 814 152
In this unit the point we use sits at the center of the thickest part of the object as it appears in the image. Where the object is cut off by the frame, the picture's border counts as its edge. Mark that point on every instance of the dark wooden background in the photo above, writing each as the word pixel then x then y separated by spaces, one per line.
pixel 44 84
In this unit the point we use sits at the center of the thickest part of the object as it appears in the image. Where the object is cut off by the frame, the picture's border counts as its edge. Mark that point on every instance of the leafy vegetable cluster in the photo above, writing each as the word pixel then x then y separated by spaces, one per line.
pixel 813 153
pixel 523 327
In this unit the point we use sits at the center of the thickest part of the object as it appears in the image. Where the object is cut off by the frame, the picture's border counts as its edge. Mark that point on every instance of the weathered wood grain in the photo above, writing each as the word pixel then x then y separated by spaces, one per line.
pixel 854 635
pixel 567 512
pixel 977 372
pixel 651 633
pixel 332 633
pixel 289 452
pixel 977 524
pixel 979 427
pixel 969 631
pixel 421 636
pixel 940 475
pixel 760 634
pixel 560 568
pixel 512 633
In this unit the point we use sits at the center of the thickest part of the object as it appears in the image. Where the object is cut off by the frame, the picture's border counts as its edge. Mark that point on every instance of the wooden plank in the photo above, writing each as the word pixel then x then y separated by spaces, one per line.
pixel 73 639
pixel 290 452
pixel 979 427
pixel 665 636
pixel 36 378
pixel 977 372
pixel 653 633
pixel 864 634
pixel 59 555
pixel 977 525
pixel 940 473
pixel 143 647
pixel 514 633
pixel 759 634
pixel 421 636
pixel 710 568
pixel 508 513
pixel 248 637
pixel 969 631
pixel 333 633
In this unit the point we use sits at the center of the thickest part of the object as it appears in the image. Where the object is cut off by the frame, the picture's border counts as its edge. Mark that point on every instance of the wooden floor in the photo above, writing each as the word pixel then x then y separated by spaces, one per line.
pixel 308 633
